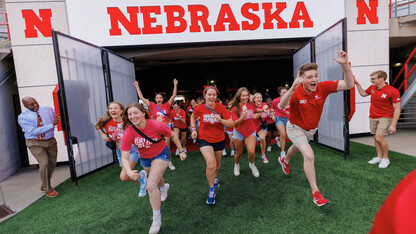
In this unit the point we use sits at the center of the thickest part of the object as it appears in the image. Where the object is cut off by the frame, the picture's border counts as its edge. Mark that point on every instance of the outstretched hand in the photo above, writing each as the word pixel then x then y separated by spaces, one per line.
pixel 136 84
pixel 342 57
pixel 175 81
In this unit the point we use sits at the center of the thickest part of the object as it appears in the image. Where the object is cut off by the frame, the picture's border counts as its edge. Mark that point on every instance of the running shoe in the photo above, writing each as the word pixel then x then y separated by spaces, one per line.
pixel 216 182
pixel 171 166
pixel 184 150
pixel 375 160
pixel 254 170
pixel 285 166
pixel 143 183
pixel 236 170
pixel 282 154
pixel 318 199
pixel 269 148
pixel 264 158
pixel 211 198
pixel 177 152
pixel 278 141
pixel 385 162
pixel 157 222
pixel 224 153
pixel 232 152
pixel 164 192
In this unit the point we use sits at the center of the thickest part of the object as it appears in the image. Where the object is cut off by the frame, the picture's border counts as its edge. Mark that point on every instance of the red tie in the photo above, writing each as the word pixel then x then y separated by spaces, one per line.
pixel 40 124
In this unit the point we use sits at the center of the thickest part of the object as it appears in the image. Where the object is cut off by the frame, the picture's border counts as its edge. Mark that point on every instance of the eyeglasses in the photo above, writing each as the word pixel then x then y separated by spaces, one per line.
pixel 375 78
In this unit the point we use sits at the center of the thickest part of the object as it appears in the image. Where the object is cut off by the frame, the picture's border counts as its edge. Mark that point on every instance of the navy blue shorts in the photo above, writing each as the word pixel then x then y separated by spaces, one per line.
pixel 219 146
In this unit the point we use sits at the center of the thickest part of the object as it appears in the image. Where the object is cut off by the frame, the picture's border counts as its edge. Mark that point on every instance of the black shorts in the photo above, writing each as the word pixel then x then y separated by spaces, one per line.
pixel 182 129
pixel 219 146
pixel 271 127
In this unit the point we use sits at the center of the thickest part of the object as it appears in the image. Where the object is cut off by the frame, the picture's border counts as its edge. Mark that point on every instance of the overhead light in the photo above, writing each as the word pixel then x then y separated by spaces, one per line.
pixel 267 90
pixel 398 65
pixel 212 81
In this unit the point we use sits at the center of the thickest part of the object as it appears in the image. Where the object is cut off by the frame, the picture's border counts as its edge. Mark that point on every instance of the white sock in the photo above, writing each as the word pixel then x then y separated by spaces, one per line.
pixel 156 213
pixel 250 164
pixel 237 164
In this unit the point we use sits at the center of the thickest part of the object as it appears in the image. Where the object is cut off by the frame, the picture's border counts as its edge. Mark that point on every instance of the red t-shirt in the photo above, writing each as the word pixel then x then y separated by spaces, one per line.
pixel 229 129
pixel 397 214
pixel 269 118
pixel 176 121
pixel 114 130
pixel 263 116
pixel 382 101
pixel 210 129
pixel 306 109
pixel 156 112
pixel 189 111
pixel 154 130
pixel 278 111
pixel 246 127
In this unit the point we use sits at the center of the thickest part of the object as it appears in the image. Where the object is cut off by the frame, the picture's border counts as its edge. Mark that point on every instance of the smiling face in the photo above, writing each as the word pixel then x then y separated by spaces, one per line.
pixel 283 92
pixel 244 97
pixel 115 110
pixel 159 99
pixel 269 101
pixel 310 81
pixel 176 107
pixel 376 81
pixel 31 104
pixel 210 96
pixel 135 115
pixel 258 99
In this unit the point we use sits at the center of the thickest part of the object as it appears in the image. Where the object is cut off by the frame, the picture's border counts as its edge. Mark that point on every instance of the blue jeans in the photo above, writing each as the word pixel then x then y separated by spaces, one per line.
pixel 134 154
pixel 164 155
pixel 281 120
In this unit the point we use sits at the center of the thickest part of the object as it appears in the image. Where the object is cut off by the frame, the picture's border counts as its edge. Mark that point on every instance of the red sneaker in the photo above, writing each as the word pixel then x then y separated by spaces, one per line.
pixel 285 166
pixel 318 199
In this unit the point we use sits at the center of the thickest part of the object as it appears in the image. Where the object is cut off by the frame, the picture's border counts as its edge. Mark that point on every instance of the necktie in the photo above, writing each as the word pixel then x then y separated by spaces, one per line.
pixel 40 124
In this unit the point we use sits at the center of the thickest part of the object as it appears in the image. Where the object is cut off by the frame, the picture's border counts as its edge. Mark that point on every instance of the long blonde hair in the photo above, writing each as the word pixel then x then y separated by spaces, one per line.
pixel 234 104
pixel 102 121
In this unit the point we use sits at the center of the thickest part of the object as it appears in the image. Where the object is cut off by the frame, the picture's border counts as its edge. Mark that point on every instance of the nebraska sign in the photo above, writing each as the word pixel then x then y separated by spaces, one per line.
pixel 145 22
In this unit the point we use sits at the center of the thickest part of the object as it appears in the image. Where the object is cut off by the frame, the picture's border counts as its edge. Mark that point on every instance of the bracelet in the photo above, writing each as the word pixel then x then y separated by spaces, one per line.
pixel 181 151
pixel 193 129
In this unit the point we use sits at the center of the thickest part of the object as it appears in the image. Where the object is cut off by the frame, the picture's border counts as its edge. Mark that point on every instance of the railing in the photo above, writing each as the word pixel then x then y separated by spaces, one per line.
pixel 400 8
pixel 406 71
pixel 4 21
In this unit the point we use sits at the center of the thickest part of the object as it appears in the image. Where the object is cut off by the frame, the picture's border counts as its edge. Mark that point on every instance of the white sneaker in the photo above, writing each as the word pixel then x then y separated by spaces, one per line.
pixel 157 222
pixel 232 152
pixel 264 158
pixel 236 170
pixel 278 142
pixel 184 150
pixel 269 148
pixel 384 163
pixel 164 193
pixel 177 152
pixel 282 154
pixel 375 160
pixel 171 166
pixel 254 170
pixel 194 141
pixel 224 152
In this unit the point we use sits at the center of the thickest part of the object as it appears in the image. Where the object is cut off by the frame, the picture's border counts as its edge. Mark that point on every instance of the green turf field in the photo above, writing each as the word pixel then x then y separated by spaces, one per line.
pixel 272 203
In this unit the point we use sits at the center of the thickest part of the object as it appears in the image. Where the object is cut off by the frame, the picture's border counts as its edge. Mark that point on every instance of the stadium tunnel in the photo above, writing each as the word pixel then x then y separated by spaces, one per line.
pixel 260 66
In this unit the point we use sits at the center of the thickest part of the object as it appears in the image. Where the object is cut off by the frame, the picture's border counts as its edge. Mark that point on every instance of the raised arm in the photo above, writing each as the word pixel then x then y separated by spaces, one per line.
pixel 139 93
pixel 348 81
pixel 360 89
pixel 175 90
pixel 284 101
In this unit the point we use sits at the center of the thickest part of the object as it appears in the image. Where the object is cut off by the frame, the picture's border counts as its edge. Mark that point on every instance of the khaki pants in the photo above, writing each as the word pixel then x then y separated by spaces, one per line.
pixel 45 152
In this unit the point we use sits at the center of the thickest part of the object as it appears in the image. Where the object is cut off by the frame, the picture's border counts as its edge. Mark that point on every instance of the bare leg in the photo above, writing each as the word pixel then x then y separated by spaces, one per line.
pixel 238 150
pixel 209 156
pixel 382 146
pixel 283 135
pixel 251 147
pixel 262 134
pixel 309 165
pixel 156 172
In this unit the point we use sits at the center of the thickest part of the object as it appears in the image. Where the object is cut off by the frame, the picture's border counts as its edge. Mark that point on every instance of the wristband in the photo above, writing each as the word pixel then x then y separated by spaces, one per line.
pixel 181 151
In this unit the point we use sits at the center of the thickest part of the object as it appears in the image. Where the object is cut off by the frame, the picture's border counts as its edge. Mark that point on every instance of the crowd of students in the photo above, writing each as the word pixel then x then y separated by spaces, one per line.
pixel 145 134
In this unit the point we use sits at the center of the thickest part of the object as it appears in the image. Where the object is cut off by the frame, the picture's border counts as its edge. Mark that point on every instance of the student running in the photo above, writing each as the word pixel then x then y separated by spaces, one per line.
pixel 244 130
pixel 110 127
pixel 160 110
pixel 147 136
pixel 211 136
pixel 307 97
pixel 271 127
pixel 180 128
pixel 282 116
pixel 259 119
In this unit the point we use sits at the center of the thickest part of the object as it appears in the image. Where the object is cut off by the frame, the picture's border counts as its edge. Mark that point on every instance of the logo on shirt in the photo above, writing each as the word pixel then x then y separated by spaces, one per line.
pixel 210 118
pixel 141 142
pixel 398 99
pixel 302 101
pixel 372 91
pixel 384 95
pixel 317 97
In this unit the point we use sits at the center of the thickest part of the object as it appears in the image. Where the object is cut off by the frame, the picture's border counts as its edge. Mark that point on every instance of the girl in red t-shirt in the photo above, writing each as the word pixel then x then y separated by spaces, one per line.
pixel 211 136
pixel 271 127
pixel 189 112
pixel 261 132
pixel 112 123
pixel 160 110
pixel 155 154
pixel 179 124
pixel 281 120
pixel 244 130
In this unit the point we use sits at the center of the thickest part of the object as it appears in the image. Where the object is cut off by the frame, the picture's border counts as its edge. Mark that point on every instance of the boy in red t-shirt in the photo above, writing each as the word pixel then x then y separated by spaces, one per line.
pixel 307 98
pixel 384 113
